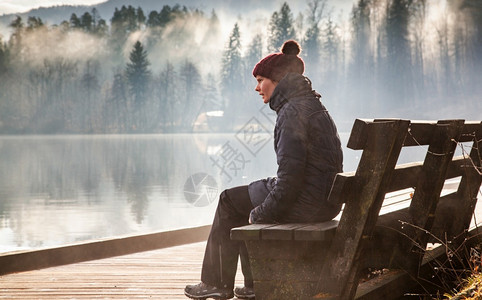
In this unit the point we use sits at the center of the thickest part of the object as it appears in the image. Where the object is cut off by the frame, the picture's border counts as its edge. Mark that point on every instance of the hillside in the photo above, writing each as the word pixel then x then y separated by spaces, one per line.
pixel 57 14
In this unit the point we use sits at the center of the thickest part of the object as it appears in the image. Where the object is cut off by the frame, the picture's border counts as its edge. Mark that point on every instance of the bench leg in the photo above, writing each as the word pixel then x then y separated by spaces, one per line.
pixel 285 269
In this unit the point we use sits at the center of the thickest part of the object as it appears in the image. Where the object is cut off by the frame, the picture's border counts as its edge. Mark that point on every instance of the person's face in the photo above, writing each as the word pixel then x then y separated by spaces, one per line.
pixel 265 87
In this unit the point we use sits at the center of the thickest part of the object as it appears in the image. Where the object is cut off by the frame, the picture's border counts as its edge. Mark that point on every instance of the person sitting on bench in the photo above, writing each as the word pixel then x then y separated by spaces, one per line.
pixel 309 154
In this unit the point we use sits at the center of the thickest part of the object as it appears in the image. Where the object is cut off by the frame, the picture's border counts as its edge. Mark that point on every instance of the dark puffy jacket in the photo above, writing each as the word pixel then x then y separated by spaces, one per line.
pixel 309 155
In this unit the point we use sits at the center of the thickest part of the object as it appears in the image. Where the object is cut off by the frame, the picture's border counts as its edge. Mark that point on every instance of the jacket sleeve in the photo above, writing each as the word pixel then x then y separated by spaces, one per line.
pixel 291 151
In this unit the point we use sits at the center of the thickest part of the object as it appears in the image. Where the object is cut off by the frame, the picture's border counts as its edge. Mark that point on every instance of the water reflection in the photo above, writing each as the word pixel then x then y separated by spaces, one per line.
pixel 61 189
pixel 56 190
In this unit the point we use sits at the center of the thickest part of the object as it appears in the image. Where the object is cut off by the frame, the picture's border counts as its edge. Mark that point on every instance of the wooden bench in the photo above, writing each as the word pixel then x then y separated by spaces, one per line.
pixel 325 260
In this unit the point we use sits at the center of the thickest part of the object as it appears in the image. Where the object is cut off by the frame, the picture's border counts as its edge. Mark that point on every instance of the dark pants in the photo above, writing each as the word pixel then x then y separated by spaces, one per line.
pixel 221 256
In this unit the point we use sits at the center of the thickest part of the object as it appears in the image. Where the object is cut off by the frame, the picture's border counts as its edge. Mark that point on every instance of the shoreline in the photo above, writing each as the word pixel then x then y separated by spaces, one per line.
pixel 26 260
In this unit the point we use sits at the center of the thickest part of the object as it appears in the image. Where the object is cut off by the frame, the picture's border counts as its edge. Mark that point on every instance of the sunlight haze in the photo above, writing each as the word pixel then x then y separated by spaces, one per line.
pixel 20 6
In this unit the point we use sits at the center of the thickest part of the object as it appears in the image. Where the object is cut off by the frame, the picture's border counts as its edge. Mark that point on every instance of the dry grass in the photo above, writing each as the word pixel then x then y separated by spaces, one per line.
pixel 472 289
pixel 471 286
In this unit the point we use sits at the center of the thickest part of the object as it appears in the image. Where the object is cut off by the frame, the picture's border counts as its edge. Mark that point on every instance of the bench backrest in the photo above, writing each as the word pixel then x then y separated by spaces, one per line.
pixel 364 190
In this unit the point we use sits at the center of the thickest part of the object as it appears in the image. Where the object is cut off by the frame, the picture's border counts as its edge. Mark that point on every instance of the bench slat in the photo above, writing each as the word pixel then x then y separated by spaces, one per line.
pixel 358 136
pixel 316 231
pixel 282 232
pixel 249 232
pixel 322 231
pixel 404 176
pixel 471 128
pixel 420 133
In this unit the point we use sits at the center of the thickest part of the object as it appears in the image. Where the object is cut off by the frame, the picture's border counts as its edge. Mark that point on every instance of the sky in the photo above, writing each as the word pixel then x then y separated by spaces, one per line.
pixel 19 6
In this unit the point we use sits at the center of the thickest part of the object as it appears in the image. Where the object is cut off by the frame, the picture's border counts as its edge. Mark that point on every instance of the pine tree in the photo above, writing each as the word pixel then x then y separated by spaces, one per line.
pixel 91 89
pixel 117 104
pixel 17 23
pixel 361 64
pixel 331 64
pixel 101 28
pixel 167 88
pixel 254 54
pixel 34 23
pixel 330 44
pixel 138 78
pixel 130 19
pixel 74 21
pixel 361 39
pixel 471 11
pixel 231 73
pixel 165 15
pixel 3 65
pixel 87 22
pixel 141 18
pixel 3 85
pixel 95 16
pixel 153 19
pixel 123 22
pixel 138 73
pixel 311 41
pixel 190 88
pixel 399 71
pixel 281 28
pixel 99 25
pixel 418 16
pixel 3 57
pixel 16 38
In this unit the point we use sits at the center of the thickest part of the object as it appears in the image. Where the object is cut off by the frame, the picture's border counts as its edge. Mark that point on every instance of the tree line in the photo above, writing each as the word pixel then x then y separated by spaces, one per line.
pixel 162 71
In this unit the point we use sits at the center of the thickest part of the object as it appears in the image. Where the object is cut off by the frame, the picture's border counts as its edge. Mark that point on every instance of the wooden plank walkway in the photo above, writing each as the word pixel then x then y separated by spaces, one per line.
pixel 156 274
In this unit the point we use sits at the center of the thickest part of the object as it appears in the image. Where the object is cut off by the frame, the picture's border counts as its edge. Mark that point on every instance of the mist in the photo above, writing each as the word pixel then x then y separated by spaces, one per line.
pixel 376 59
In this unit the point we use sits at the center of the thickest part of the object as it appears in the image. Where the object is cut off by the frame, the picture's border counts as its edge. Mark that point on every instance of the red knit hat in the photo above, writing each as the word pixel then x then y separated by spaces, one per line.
pixel 275 66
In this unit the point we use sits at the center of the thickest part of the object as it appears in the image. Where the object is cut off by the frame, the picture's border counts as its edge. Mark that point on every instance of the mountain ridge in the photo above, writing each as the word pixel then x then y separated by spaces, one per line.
pixel 234 8
pixel 56 14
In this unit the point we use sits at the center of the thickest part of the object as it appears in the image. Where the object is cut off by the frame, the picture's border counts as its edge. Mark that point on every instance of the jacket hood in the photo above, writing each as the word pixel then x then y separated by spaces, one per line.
pixel 293 85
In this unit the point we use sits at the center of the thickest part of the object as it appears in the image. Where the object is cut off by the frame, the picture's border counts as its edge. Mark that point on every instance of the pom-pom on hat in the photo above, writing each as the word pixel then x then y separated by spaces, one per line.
pixel 275 66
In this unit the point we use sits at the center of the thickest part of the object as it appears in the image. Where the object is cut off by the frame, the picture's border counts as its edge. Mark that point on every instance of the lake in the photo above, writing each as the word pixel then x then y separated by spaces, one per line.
pixel 57 190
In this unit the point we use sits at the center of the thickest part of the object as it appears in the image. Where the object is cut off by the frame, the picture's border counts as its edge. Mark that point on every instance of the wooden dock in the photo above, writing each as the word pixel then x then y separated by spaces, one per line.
pixel 151 266
pixel 156 274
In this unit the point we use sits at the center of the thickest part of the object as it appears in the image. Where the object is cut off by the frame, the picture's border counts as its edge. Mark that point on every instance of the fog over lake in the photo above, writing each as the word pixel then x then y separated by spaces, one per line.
pixel 56 190
pixel 119 120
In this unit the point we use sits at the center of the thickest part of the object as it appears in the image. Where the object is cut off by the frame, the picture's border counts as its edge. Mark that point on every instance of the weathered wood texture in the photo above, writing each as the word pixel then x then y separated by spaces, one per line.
pixel 471 178
pixel 442 138
pixel 286 266
pixel 366 237
pixel 158 274
pixel 43 258
pixel 431 180
pixel 381 150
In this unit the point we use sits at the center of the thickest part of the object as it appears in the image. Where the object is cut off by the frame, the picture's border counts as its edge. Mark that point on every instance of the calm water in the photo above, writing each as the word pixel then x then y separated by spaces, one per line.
pixel 61 189
pixel 57 190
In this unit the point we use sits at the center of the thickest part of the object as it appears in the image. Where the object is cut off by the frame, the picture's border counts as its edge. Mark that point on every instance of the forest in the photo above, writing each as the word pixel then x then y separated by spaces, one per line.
pixel 173 70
